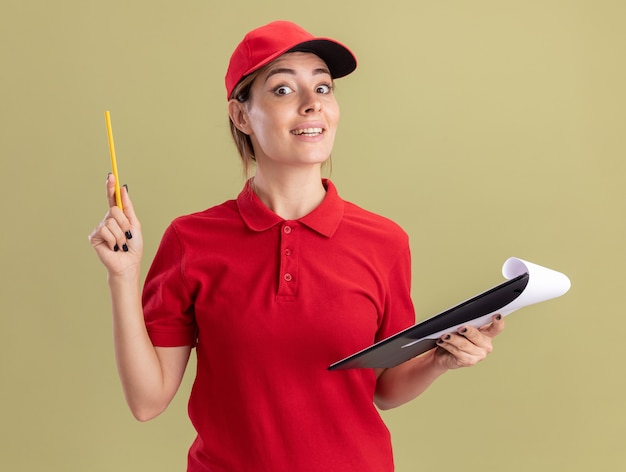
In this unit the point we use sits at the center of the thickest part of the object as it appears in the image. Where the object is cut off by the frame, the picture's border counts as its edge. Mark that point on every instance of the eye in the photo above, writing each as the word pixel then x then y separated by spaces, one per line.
pixel 283 90
pixel 324 89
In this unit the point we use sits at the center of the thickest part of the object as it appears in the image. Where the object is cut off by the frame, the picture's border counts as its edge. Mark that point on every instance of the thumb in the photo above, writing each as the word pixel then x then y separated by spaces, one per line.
pixel 110 190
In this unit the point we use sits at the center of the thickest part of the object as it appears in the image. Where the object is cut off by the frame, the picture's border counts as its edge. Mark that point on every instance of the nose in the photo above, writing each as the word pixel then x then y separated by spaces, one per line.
pixel 311 103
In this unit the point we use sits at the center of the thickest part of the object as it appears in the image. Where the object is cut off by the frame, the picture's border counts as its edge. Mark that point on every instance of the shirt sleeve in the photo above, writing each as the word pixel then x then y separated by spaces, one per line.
pixel 399 311
pixel 167 299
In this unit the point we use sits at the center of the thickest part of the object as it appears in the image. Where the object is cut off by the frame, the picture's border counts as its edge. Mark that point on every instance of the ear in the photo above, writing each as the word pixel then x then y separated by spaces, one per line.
pixel 239 116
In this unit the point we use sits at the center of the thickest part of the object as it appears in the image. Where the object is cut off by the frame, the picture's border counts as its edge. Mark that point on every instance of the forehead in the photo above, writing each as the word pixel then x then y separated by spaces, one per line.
pixel 298 62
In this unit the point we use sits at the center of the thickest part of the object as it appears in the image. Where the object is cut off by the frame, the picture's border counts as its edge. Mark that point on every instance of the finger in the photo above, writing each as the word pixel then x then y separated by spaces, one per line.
pixel 475 336
pixel 117 240
pixel 472 342
pixel 462 350
pixel 102 235
pixel 495 327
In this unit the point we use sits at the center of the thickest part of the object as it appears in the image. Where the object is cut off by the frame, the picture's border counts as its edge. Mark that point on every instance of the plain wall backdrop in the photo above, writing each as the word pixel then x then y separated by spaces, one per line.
pixel 487 129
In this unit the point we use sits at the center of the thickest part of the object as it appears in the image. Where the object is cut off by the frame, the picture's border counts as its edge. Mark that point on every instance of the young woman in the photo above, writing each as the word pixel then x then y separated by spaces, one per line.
pixel 274 286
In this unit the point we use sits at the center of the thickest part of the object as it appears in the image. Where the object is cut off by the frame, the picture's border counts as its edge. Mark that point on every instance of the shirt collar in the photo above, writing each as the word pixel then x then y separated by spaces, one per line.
pixel 324 219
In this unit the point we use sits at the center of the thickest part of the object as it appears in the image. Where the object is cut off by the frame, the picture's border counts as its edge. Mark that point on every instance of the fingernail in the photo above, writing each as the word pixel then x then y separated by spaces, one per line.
pixel 463 330
pixel 447 337
pixel 116 248
pixel 126 187
pixel 108 175
pixel 125 247
pixel 440 341
pixel 498 317
pixel 128 235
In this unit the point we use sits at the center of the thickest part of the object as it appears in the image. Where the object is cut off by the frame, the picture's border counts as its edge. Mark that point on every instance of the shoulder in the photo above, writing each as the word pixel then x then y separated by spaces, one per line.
pixel 222 213
pixel 364 223
pixel 203 225
pixel 374 225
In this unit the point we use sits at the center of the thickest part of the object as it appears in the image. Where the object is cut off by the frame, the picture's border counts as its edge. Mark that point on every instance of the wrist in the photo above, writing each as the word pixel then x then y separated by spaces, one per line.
pixel 437 362
pixel 126 278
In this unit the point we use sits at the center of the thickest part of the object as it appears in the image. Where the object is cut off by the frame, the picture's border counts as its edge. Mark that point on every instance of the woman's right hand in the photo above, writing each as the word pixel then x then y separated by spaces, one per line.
pixel 118 240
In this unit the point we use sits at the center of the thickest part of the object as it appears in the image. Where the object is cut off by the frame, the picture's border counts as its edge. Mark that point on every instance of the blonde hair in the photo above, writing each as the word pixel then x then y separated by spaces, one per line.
pixel 241 93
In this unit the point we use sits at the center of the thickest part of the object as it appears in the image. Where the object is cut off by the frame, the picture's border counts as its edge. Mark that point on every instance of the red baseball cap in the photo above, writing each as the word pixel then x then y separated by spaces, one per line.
pixel 262 45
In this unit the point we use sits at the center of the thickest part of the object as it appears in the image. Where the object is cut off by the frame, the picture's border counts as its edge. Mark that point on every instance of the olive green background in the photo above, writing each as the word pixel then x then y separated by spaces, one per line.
pixel 487 129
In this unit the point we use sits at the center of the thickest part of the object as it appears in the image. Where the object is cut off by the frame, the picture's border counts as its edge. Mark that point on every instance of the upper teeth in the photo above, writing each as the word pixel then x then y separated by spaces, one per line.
pixel 307 131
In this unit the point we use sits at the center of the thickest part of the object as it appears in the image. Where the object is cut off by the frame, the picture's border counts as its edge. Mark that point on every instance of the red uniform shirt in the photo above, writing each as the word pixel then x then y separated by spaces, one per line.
pixel 269 305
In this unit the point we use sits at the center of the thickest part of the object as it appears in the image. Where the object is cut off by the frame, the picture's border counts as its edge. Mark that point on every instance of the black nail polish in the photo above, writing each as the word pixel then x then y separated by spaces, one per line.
pixel 126 187
pixel 125 247
pixel 447 337
pixel 128 235
pixel 116 248
pixel 463 330
pixel 108 175
pixel 498 317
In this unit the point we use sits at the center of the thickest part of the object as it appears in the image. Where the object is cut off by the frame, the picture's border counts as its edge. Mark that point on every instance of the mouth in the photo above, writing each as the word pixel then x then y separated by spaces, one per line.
pixel 310 132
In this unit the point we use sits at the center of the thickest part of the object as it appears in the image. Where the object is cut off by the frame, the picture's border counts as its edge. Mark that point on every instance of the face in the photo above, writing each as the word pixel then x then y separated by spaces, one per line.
pixel 292 114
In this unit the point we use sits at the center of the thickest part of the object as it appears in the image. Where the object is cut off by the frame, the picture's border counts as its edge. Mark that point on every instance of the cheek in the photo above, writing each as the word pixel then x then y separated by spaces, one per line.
pixel 267 133
pixel 263 133
pixel 333 114
pixel 259 124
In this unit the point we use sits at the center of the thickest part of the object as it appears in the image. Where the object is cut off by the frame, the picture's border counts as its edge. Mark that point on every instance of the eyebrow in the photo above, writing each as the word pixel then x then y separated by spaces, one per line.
pixel 286 70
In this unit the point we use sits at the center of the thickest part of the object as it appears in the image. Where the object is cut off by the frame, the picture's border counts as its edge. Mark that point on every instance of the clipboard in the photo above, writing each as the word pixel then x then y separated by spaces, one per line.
pixel 527 284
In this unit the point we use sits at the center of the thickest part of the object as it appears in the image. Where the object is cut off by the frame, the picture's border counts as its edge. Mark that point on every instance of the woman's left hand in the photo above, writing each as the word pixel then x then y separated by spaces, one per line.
pixel 468 345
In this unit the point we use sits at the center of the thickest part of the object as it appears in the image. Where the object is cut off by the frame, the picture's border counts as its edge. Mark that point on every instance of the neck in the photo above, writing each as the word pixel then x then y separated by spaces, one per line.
pixel 290 197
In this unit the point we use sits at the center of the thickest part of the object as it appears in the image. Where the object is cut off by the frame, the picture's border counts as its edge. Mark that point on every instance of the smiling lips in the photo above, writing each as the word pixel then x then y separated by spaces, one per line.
pixel 307 132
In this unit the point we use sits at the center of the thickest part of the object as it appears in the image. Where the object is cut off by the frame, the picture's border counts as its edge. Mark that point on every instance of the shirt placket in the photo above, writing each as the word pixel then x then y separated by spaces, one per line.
pixel 288 277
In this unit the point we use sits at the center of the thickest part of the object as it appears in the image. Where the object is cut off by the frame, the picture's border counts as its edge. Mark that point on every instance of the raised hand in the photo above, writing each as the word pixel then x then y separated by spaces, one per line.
pixel 118 240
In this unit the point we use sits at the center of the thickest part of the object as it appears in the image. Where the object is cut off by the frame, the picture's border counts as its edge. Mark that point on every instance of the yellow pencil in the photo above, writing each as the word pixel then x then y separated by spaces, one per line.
pixel 118 195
